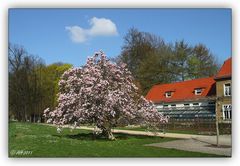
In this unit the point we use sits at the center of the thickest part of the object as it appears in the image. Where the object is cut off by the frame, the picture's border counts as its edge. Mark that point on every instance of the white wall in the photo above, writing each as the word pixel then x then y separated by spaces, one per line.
pixel 179 105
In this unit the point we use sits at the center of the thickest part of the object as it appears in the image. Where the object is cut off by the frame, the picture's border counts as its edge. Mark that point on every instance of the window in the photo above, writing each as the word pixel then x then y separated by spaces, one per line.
pixel 158 106
pixel 173 105
pixel 168 94
pixel 227 112
pixel 195 104
pixel 211 103
pixel 165 106
pixel 186 105
pixel 227 89
pixel 198 91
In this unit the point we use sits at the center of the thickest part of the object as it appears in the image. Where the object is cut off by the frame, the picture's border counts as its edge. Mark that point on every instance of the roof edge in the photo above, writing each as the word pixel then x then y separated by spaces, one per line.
pixel 223 77
pixel 183 81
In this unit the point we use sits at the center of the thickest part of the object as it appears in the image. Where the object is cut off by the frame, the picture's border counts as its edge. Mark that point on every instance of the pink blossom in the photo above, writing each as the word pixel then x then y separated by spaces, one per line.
pixel 103 94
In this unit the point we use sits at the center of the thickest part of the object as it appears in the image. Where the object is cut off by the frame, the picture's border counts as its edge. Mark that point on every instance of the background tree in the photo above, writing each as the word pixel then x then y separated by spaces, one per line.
pixel 32 85
pixel 50 77
pixel 146 56
pixel 182 52
pixel 137 47
pixel 102 94
pixel 23 88
pixel 153 61
pixel 156 69
pixel 202 63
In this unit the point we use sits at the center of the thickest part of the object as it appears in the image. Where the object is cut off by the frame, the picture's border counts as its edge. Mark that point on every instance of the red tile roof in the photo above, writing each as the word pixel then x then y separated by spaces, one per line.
pixel 226 69
pixel 182 90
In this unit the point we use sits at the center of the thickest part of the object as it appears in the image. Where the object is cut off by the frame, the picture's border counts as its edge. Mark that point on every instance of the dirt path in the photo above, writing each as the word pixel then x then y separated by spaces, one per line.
pixel 169 135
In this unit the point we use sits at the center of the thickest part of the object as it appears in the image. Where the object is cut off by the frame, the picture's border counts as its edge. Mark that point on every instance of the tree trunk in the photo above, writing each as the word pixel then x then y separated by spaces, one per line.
pixel 34 118
pixel 108 133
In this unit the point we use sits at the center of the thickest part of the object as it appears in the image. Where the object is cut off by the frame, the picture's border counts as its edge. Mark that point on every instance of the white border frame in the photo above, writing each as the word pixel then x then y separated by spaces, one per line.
pixel 234 4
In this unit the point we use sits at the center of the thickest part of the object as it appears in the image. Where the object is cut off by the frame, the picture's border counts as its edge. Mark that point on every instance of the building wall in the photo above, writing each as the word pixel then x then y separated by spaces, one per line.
pixel 181 105
pixel 221 99
pixel 220 88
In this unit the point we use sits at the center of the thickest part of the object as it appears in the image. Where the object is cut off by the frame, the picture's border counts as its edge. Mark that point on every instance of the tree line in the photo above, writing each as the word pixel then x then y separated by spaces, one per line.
pixel 153 61
pixel 33 85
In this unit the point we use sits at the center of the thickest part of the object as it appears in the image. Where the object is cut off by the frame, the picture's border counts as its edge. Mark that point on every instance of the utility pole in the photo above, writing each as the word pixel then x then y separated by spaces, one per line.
pixel 217 127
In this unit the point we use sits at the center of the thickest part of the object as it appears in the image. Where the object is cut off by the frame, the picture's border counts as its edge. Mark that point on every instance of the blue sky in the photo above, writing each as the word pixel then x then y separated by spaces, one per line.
pixel 71 35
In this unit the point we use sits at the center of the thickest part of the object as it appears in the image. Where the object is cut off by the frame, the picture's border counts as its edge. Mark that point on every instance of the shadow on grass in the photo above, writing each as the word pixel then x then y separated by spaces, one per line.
pixel 91 136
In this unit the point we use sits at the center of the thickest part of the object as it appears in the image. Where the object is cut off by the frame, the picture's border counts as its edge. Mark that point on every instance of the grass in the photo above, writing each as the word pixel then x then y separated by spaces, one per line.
pixel 36 140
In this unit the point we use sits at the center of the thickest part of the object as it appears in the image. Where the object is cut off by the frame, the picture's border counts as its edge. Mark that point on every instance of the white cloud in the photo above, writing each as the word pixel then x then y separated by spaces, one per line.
pixel 77 34
pixel 99 27
pixel 102 27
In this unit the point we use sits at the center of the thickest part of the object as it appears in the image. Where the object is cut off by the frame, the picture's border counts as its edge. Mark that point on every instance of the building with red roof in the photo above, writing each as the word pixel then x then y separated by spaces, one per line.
pixel 224 92
pixel 191 90
pixel 226 70
pixel 192 98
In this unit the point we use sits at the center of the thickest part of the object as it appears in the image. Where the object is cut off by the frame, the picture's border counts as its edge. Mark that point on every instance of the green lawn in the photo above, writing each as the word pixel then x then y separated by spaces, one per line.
pixel 36 140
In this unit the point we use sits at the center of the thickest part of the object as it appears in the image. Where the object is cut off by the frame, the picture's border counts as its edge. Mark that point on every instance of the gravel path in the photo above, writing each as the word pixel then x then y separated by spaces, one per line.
pixel 160 134
pixel 223 139
pixel 195 146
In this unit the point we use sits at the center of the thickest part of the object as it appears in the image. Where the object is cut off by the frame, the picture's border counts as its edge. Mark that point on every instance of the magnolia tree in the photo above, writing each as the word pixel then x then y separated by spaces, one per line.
pixel 102 93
